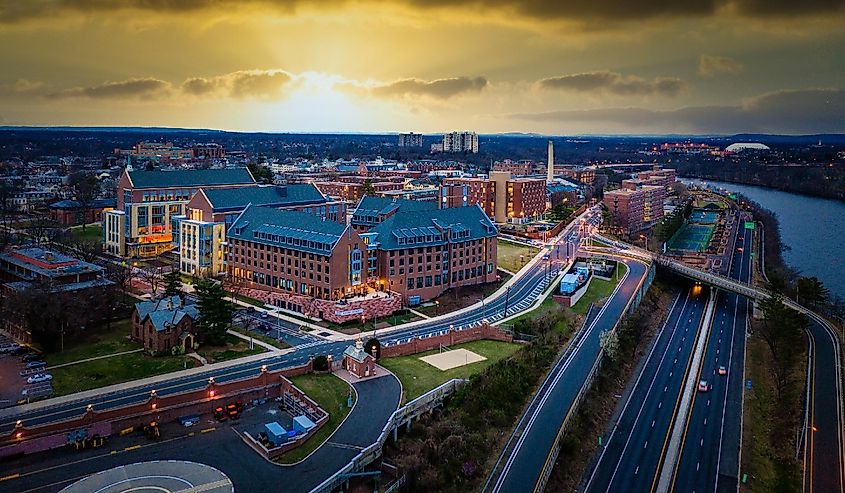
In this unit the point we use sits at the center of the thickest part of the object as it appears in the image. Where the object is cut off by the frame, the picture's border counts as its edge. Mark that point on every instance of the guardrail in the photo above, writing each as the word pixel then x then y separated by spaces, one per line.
pixel 423 403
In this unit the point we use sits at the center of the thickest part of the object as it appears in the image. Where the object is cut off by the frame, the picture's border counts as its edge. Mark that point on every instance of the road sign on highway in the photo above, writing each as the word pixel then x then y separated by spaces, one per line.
pixel 749 225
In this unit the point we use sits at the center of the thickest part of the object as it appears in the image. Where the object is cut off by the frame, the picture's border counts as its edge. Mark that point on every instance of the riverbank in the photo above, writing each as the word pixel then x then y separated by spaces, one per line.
pixel 819 182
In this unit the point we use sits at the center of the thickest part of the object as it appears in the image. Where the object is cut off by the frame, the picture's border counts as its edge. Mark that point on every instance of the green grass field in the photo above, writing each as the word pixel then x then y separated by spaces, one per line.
pixel 331 393
pixel 98 344
pixel 91 232
pixel 507 255
pixel 235 348
pixel 418 377
pixel 119 369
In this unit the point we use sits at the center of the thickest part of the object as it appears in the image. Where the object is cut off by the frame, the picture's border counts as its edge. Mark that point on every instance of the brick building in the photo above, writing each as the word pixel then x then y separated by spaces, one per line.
pixel 459 192
pixel 73 212
pixel 425 252
pixel 359 362
pixel 297 254
pixel 147 201
pixel 501 196
pixel 200 235
pixel 164 324
pixel 353 191
pixel 635 206
pixel 372 211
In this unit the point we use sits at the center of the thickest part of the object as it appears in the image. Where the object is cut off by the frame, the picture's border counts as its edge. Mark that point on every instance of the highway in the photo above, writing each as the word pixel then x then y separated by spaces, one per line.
pixel 529 453
pixel 634 449
pixel 709 459
pixel 523 291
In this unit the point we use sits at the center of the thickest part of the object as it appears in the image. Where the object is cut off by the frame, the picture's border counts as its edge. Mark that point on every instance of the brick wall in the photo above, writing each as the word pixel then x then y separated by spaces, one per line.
pixel 418 345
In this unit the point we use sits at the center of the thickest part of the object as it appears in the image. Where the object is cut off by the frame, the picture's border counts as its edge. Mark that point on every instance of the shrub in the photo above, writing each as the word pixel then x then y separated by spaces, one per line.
pixel 321 363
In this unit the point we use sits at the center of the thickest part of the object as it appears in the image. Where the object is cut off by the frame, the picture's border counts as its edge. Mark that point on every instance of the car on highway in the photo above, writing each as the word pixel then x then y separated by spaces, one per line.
pixel 740 250
pixel 39 377
pixel 35 364
pixel 264 315
pixel 703 386
pixel 723 371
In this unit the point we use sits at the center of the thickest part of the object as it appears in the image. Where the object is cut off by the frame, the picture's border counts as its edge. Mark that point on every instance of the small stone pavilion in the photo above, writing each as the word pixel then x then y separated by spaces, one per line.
pixel 359 362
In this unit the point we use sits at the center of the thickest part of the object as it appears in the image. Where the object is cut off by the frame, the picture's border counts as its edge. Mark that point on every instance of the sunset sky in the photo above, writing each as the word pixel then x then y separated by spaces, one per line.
pixel 553 67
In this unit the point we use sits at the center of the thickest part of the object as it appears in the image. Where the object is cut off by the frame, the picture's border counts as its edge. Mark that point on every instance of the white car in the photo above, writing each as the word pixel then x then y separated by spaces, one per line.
pixel 40 377
pixel 703 386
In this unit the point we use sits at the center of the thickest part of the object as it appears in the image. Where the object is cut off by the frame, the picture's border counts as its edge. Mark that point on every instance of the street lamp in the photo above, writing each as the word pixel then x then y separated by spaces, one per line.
pixel 437 307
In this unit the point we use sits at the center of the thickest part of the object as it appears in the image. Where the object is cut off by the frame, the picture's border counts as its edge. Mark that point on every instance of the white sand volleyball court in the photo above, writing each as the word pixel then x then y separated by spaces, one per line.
pixel 452 359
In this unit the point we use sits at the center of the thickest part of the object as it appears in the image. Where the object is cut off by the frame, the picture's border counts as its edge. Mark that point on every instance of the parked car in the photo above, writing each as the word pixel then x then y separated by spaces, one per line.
pixel 31 357
pixel 10 348
pixel 39 377
pixel 36 364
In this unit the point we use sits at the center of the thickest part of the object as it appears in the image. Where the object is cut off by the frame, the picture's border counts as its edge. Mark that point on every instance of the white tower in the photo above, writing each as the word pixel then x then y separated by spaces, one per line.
pixel 550 173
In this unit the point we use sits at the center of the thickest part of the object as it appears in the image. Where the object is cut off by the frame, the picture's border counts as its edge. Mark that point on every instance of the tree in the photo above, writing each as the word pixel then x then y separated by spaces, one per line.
pixel 373 347
pixel 261 173
pixel 152 276
pixel 811 290
pixel 215 312
pixel 321 363
pixel 367 188
pixel 172 283
pixel 783 331
pixel 87 188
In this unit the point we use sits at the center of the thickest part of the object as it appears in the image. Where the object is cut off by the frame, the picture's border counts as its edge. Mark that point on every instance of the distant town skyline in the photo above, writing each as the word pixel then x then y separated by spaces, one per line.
pixel 490 66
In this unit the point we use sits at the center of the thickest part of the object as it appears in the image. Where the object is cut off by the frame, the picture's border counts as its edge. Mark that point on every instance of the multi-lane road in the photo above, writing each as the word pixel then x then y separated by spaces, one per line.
pixel 633 451
pixel 528 454
pixel 709 458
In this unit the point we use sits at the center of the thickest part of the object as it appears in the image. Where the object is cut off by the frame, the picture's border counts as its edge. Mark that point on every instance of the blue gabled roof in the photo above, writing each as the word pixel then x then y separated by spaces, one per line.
pixel 223 199
pixel 384 205
pixel 465 223
pixel 166 311
pixel 289 229
pixel 75 204
pixel 190 178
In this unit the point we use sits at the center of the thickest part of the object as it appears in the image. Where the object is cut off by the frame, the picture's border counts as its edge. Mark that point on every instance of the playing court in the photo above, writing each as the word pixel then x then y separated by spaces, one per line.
pixel 165 476
pixel 692 237
pixel 452 359
pixel 704 217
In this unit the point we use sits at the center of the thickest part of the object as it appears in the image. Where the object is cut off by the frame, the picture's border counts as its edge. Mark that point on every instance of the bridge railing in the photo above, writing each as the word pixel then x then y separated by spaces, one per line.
pixel 425 402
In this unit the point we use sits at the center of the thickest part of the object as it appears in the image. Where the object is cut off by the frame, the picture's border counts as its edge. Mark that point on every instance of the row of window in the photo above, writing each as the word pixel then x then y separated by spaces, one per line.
pixel 420 282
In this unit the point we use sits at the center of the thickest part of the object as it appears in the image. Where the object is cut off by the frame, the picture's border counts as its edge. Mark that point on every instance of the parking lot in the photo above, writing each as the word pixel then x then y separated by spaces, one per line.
pixel 17 365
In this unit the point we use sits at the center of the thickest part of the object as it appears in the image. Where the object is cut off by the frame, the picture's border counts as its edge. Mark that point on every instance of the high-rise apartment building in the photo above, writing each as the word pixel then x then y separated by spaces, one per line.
pixel 460 142
pixel 410 140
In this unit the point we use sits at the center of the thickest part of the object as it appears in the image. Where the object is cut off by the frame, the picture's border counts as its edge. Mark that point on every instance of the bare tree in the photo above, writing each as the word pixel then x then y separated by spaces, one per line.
pixel 152 275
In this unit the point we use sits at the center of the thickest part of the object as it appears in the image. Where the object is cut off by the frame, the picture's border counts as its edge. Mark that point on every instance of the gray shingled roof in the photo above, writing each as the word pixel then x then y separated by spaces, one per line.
pixel 423 227
pixel 271 195
pixel 290 229
pixel 190 178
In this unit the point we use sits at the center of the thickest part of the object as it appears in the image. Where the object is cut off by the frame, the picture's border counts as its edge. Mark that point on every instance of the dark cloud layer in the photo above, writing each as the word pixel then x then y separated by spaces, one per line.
pixel 806 111
pixel 267 84
pixel 439 88
pixel 12 11
pixel 146 88
pixel 614 83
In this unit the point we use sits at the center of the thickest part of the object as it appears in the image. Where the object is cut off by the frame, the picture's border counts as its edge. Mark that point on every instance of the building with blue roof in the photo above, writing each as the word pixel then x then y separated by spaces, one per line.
pixel 163 324
pixel 200 235
pixel 147 201
pixel 424 252
pixel 296 253
pixel 371 211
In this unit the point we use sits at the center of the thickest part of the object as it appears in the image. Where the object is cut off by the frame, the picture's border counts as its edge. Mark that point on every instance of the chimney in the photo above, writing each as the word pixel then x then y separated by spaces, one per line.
pixel 550 172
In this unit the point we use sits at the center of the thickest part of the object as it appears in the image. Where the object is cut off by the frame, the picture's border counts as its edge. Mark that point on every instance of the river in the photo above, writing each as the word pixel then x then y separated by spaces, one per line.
pixel 811 227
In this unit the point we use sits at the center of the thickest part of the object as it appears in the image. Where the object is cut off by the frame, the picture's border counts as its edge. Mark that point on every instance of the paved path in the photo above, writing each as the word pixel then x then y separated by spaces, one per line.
pixel 96 358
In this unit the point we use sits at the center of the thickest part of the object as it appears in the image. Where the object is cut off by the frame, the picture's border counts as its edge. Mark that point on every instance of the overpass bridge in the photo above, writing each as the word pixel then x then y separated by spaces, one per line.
pixel 823 453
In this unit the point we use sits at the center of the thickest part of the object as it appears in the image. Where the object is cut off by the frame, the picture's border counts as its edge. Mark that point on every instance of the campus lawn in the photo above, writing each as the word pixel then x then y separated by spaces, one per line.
pixel 110 371
pixel 99 343
pixel 507 255
pixel 331 393
pixel 235 347
pixel 93 232
pixel 418 377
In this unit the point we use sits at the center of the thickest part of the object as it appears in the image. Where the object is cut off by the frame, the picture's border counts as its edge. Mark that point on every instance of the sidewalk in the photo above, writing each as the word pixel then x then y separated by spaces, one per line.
pixel 96 358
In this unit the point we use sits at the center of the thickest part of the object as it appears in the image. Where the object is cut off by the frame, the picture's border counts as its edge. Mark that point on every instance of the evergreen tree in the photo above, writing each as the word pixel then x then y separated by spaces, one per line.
pixel 215 312
pixel 172 283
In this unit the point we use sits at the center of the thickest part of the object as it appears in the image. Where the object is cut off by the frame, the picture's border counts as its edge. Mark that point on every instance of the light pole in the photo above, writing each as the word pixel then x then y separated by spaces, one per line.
pixel 507 301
